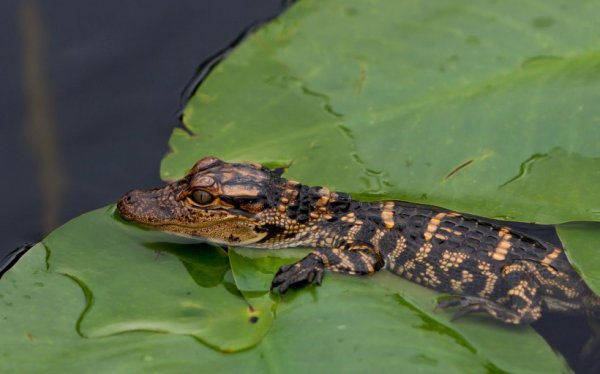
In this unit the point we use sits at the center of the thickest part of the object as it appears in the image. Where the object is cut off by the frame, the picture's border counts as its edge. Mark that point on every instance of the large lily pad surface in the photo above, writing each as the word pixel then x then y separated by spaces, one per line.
pixel 485 107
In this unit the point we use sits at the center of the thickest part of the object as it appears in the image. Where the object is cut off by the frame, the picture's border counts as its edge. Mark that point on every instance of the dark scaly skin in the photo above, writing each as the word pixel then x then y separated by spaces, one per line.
pixel 487 267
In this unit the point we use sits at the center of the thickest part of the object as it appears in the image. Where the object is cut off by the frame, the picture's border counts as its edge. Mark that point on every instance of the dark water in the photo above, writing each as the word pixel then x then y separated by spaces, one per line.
pixel 90 94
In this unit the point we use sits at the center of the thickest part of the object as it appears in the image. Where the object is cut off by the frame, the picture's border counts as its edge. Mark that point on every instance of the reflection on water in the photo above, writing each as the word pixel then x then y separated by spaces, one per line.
pixel 40 127
pixel 96 88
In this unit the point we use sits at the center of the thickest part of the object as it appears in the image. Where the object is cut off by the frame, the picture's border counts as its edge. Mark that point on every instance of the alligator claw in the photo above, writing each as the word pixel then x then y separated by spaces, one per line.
pixel 283 268
pixel 308 270
pixel 470 304
pixel 450 302
pixel 459 302
pixel 464 305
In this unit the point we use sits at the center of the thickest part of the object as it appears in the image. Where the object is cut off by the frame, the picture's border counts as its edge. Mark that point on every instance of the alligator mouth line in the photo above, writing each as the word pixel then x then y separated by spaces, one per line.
pixel 200 225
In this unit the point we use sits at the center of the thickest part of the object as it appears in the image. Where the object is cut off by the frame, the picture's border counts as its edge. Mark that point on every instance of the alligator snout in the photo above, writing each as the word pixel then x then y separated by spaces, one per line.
pixel 155 206
pixel 129 204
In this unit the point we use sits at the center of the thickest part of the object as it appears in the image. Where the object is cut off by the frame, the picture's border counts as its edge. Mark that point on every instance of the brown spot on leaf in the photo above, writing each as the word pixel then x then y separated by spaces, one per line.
pixel 457 169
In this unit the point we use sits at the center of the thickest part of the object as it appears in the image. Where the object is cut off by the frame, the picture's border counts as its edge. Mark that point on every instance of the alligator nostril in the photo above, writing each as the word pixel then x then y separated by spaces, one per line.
pixel 130 197
pixel 126 204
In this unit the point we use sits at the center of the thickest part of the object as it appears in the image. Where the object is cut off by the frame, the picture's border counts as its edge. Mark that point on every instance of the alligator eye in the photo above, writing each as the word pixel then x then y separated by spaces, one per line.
pixel 202 197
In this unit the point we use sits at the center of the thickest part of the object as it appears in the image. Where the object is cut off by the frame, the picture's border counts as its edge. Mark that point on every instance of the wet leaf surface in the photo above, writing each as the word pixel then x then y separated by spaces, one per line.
pixel 253 269
pixel 132 288
pixel 582 241
pixel 470 106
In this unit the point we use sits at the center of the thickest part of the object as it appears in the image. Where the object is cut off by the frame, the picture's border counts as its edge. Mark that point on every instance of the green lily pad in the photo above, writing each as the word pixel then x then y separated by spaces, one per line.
pixel 39 310
pixel 131 287
pixel 254 269
pixel 582 241
pixel 473 106
pixel 207 265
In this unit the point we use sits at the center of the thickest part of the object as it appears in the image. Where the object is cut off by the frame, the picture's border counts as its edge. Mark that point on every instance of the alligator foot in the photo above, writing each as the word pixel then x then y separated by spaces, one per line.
pixel 309 269
pixel 470 304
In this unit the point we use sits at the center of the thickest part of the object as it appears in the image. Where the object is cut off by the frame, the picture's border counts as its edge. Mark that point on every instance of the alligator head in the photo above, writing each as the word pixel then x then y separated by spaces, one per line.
pixel 216 201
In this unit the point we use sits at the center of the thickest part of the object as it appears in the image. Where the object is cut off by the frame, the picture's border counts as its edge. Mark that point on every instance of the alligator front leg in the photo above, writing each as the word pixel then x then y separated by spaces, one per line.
pixel 356 259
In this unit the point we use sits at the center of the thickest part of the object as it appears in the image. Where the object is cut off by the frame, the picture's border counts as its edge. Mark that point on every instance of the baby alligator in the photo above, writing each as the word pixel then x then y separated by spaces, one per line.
pixel 487 267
